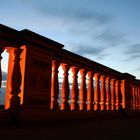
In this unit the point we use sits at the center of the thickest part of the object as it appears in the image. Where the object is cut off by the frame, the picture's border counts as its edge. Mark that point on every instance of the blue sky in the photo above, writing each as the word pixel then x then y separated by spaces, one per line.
pixel 106 31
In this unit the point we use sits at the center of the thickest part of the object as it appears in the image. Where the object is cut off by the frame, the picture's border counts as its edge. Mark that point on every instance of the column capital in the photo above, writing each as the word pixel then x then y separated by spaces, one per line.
pixel 83 72
pixel 55 64
pixel 102 77
pixel 74 69
pixel 97 76
pixel 65 66
pixel 108 79
pixel 117 82
pixel 113 81
pixel 90 74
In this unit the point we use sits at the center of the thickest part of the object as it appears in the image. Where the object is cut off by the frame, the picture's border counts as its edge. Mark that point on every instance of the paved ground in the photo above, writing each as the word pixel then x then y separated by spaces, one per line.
pixel 109 129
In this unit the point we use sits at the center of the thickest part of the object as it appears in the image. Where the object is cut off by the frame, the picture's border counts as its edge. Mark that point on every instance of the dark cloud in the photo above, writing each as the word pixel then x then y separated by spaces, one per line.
pixel 133 52
pixel 70 9
pixel 97 52
pixel 111 37
pixel 138 69
pixel 133 49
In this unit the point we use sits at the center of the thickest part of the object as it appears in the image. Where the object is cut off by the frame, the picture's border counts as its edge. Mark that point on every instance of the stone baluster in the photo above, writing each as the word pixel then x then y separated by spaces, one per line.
pixel 1 51
pixel 102 93
pixel 108 93
pixel 112 94
pixel 74 90
pixel 54 85
pixel 14 79
pixel 90 91
pixel 82 94
pixel 118 94
pixel 133 97
pixel 65 88
pixel 97 91
pixel 138 97
pixel 123 93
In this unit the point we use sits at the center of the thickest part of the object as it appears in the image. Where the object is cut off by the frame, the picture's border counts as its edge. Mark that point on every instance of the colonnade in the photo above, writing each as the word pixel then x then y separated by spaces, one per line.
pixel 102 92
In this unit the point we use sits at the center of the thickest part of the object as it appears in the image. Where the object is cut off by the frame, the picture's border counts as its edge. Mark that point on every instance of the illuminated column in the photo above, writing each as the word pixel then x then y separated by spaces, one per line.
pixel 117 94
pixel 97 92
pixel 112 94
pixel 14 79
pixel 125 100
pixel 90 91
pixel 108 92
pixel 102 94
pixel 65 88
pixel 133 97
pixel 82 94
pixel 54 85
pixel 1 51
pixel 138 97
pixel 74 90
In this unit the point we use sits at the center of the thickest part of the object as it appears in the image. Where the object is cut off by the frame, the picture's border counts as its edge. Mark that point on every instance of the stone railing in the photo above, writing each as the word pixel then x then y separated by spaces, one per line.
pixel 33 57
pixel 106 88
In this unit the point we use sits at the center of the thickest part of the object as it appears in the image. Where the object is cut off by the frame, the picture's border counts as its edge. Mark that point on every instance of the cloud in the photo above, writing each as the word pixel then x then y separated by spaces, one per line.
pixel 75 21
pixel 89 51
pixel 138 69
pixel 111 37
pixel 133 51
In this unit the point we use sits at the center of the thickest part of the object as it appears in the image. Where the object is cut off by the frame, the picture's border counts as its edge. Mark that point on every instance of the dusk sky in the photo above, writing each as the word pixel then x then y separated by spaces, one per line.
pixel 106 31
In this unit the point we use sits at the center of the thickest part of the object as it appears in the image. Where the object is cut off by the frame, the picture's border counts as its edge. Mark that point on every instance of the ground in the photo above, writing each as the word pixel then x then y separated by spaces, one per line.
pixel 97 129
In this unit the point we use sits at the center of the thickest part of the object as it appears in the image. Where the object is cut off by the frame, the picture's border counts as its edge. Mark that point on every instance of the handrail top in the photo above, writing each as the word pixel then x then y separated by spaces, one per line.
pixel 9 35
pixel 34 38
pixel 16 37
pixel 96 67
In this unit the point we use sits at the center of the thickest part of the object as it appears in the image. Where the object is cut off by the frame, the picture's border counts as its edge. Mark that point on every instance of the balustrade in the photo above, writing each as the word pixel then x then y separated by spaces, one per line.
pixel 106 89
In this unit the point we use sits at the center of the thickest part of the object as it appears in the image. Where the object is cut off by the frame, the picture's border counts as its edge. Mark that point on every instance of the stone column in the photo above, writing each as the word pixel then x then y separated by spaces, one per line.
pixel 74 90
pixel 1 51
pixel 108 93
pixel 14 79
pixel 90 91
pixel 54 85
pixel 82 95
pixel 97 91
pixel 112 94
pixel 133 97
pixel 118 94
pixel 65 88
pixel 137 97
pixel 102 94
pixel 124 96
